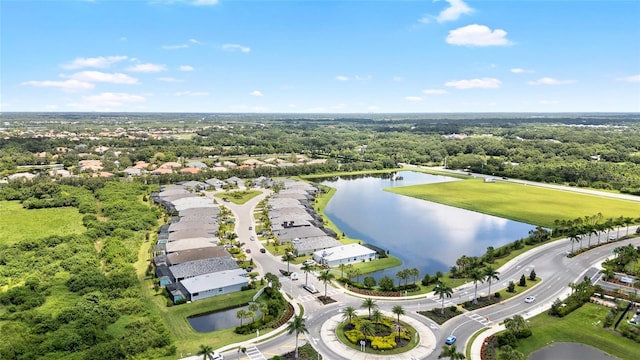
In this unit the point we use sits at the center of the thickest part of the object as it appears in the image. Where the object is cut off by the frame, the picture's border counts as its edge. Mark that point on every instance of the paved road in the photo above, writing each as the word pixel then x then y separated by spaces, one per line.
pixel 549 261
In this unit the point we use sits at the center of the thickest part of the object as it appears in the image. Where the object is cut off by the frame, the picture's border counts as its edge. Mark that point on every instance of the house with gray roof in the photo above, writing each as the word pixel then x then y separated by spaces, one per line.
pixel 180 257
pixel 298 233
pixel 218 184
pixel 277 203
pixel 195 232
pixel 193 202
pixel 193 268
pixel 214 284
pixel 188 244
pixel 197 164
pixel 211 211
pixel 295 213
pixel 310 245
pixel 195 185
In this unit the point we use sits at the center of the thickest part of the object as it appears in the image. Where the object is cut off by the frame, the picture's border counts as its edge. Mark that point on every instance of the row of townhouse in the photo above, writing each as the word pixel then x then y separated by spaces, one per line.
pixel 293 219
pixel 187 258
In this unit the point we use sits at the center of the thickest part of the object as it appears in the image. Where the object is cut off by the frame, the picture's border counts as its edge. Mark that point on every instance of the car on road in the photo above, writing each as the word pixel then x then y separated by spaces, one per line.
pixel 308 262
pixel 310 288
pixel 612 237
pixel 450 340
pixel 250 227
pixel 249 268
pixel 263 250
pixel 294 276
pixel 252 238
pixel 248 251
pixel 529 299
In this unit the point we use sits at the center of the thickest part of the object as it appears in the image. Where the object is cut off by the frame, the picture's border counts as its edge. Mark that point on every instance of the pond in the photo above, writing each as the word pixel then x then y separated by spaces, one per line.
pixel 423 234
pixel 219 320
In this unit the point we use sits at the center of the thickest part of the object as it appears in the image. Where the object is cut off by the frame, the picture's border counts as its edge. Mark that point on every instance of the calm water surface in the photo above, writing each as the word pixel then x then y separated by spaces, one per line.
pixel 424 235
pixel 219 320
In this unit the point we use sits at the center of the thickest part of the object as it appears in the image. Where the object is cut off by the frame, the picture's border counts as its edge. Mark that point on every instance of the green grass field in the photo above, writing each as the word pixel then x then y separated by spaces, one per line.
pixel 17 223
pixel 528 204
pixel 583 326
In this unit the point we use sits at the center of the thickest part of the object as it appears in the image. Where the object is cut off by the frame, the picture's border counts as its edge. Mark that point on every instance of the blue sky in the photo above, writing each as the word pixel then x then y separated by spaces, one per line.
pixel 320 56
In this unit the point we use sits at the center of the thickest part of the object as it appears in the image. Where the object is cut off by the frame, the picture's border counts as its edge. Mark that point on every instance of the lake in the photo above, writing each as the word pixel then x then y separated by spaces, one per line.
pixel 219 320
pixel 423 234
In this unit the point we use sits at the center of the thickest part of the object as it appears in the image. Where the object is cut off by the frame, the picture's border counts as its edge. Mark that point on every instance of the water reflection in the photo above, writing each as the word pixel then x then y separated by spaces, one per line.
pixel 425 235
pixel 219 320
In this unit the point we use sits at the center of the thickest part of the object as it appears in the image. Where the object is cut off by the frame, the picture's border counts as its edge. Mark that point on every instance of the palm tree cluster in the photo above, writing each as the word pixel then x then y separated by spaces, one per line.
pixel 626 257
pixel 405 274
pixel 586 227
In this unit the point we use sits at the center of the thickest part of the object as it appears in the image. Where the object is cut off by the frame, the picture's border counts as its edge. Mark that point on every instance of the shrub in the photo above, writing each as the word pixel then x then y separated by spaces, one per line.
pixel 354 336
pixel 512 287
pixel 383 343
pixel 523 280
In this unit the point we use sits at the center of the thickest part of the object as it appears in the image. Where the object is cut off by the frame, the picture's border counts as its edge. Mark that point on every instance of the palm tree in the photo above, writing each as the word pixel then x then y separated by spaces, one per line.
pixel 288 258
pixel 627 221
pixel 367 328
pixel 377 317
pixel 415 272
pixel 476 275
pixel 490 274
pixel 442 290
pixel 307 268
pixel 241 314
pixel 206 351
pixel 369 303
pixel 451 352
pixel 325 277
pixel 515 324
pixel 398 310
pixel 298 326
pixel 348 313
pixel 264 310
pixel 574 237
pixel 253 307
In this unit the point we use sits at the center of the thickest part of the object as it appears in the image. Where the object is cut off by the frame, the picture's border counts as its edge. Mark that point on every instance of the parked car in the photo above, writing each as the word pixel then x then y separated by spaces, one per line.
pixel 450 340
pixel 308 262
pixel 248 251
pixel 249 268
pixel 310 288
pixel 252 238
pixel 529 299
pixel 216 356
pixel 263 250
pixel 250 227
pixel 294 276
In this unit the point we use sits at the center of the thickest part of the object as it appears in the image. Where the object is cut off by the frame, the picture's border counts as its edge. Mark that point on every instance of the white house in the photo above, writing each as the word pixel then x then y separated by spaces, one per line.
pixel 214 284
pixel 344 254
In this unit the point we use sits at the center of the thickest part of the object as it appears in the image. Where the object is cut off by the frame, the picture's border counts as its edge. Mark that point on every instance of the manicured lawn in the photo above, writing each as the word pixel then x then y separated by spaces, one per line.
pixel 17 223
pixel 583 326
pixel 528 204
pixel 238 197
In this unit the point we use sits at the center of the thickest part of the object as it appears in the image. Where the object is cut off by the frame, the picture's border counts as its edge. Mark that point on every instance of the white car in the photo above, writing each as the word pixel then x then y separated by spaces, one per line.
pixel 216 356
pixel 308 262
pixel 529 299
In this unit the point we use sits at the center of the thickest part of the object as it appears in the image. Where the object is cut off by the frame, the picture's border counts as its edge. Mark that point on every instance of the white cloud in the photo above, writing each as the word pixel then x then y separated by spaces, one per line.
pixel 434 91
pixel 632 78
pixel 107 100
pixel 147 68
pixel 256 93
pixel 235 47
pixel 550 81
pixel 397 79
pixel 98 76
pixel 477 35
pixel 484 83
pixel 453 12
pixel 342 78
pixel 186 68
pixel 175 47
pixel 169 79
pixel 65 85
pixel 192 93
pixel 194 41
pixel 521 71
pixel 413 98
pixel 96 62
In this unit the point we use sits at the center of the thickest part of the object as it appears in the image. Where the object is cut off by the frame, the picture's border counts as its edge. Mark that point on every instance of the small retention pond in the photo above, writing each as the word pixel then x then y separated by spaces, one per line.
pixel 219 320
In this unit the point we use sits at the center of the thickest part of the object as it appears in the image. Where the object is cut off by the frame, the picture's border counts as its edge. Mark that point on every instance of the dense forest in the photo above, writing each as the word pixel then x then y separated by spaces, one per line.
pixel 596 151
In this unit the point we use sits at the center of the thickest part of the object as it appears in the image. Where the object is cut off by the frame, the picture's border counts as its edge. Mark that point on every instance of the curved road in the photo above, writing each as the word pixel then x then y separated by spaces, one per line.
pixel 550 262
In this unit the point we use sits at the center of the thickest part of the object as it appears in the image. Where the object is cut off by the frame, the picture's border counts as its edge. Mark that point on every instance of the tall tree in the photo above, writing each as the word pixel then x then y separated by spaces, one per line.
pixel 206 351
pixel 450 351
pixel 515 324
pixel 490 274
pixel 325 277
pixel 297 325
pixel 369 304
pixel 288 258
pixel 476 275
pixel 241 314
pixel 398 310
pixel 349 313
pixel 367 329
pixel 307 268
pixel 442 290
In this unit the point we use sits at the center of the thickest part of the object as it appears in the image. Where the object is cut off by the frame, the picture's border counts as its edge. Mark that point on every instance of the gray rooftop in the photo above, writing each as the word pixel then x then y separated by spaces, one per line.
pixel 193 202
pixel 183 225
pixel 215 280
pixel 203 266
pixel 179 257
pixel 188 244
pixel 300 233
pixel 312 244
pixel 194 232
pixel 283 202
pixel 290 213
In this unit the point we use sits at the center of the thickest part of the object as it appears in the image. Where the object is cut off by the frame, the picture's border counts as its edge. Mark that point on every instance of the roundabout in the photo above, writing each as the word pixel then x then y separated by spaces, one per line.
pixel 426 340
